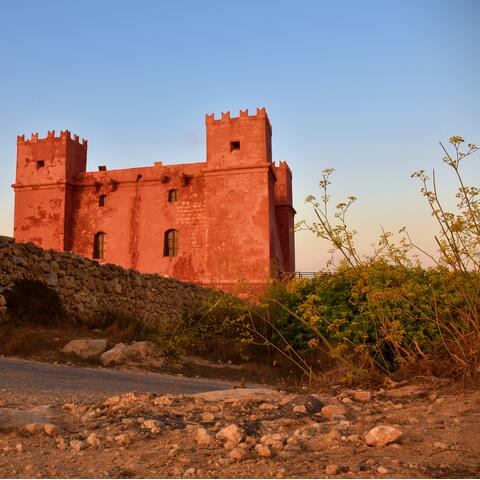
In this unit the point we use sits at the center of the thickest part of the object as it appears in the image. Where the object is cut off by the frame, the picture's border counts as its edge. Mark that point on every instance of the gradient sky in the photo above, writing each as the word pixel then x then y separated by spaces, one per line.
pixel 365 87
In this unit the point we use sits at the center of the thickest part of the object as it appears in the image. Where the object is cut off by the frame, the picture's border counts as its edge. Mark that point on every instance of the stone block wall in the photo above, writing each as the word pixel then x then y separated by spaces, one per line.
pixel 85 291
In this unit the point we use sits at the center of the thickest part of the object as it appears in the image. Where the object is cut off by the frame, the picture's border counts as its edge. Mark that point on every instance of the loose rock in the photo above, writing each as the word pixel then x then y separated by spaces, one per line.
pixel 232 433
pixel 86 348
pixel 382 435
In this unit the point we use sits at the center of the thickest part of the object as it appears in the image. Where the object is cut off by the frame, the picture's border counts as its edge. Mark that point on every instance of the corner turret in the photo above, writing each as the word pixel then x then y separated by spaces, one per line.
pixel 236 142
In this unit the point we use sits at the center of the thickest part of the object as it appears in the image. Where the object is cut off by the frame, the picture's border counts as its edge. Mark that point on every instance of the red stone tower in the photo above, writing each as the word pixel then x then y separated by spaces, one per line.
pixel 46 169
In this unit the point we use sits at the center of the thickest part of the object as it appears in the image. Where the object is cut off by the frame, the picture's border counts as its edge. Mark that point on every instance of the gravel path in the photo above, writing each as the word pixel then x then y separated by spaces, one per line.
pixel 23 375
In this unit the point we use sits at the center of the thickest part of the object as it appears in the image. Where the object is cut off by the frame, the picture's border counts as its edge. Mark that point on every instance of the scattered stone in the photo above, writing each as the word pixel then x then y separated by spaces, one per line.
pixel 50 429
pixel 347 401
pixel 382 435
pixel 208 417
pixel 13 419
pixel 93 440
pixel 61 444
pixel 77 445
pixel 122 439
pixel 189 472
pixel 310 404
pixel 238 454
pixel 382 470
pixel 86 348
pixel 263 451
pixel 19 447
pixel 203 437
pixel 299 409
pixel 362 395
pixel 333 411
pixel 32 428
pixel 331 469
pixel 440 445
pixel 231 433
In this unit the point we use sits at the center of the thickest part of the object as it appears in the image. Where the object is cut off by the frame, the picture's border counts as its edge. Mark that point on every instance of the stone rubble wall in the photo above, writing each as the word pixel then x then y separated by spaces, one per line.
pixel 87 291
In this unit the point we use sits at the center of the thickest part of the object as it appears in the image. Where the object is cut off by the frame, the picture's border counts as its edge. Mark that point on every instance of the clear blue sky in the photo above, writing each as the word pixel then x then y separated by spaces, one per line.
pixel 366 87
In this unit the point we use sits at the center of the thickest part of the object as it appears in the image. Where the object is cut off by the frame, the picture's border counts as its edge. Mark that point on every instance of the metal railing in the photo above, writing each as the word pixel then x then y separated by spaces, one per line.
pixel 311 274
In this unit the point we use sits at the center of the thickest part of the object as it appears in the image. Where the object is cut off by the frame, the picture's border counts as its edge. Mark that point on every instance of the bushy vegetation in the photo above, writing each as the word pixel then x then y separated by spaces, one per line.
pixel 386 311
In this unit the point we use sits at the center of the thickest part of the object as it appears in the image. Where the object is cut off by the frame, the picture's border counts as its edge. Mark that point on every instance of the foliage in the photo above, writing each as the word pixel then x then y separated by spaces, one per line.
pixel 386 311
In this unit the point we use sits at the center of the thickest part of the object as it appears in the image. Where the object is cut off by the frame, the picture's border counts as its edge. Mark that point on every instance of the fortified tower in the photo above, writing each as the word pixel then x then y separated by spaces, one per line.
pixel 46 169
pixel 216 223
pixel 240 183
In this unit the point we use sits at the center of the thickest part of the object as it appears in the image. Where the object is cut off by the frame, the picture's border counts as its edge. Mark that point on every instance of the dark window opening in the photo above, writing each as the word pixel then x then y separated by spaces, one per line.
pixel 139 177
pixel 102 200
pixel 235 145
pixel 170 243
pixel 99 245
pixel 40 164
pixel 173 195
pixel 102 168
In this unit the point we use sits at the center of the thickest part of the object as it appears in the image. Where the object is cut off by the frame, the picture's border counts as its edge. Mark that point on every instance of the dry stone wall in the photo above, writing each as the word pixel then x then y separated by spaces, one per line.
pixel 47 283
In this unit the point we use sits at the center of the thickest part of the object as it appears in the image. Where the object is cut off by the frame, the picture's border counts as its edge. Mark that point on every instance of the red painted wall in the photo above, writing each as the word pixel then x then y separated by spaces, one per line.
pixel 233 213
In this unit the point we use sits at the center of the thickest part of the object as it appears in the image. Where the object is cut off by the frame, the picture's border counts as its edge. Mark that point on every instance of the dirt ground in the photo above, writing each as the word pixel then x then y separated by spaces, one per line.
pixel 274 434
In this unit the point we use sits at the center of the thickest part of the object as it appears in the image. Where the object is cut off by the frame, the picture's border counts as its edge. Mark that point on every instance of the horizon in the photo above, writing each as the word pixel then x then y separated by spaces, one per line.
pixel 367 89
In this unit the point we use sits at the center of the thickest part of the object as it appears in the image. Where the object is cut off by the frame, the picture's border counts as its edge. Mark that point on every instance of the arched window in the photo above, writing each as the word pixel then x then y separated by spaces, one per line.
pixel 170 243
pixel 172 195
pixel 99 245
pixel 102 200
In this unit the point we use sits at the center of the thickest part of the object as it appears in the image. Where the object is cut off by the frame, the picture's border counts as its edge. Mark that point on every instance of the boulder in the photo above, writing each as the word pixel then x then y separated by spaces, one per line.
pixel 86 348
pixel 136 352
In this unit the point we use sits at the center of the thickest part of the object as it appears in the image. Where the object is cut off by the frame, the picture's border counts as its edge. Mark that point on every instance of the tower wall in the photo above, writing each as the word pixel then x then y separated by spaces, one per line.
pixel 45 171
pixel 284 214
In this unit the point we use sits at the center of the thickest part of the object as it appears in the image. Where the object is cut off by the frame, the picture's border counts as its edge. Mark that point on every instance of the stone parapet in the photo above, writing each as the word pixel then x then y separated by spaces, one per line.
pixel 86 292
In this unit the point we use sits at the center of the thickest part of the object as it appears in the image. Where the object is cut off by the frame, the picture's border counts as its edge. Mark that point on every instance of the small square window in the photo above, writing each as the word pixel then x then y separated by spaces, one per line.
pixel 102 200
pixel 40 164
pixel 235 145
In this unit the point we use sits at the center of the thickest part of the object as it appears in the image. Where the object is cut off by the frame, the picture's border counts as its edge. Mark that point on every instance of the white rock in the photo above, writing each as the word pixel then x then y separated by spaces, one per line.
pixel 122 439
pixel 137 351
pixel 93 440
pixel 86 348
pixel 382 435
pixel 238 454
pixel 232 434
pixel 241 395
pixel 203 437
pixel 332 411
pixel 382 470
pixel 331 469
pixel 50 429
pixel 77 445
pixel 362 395
pixel 263 451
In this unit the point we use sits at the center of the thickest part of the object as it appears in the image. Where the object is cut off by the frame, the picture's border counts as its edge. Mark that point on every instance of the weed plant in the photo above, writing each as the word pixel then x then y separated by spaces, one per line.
pixel 384 312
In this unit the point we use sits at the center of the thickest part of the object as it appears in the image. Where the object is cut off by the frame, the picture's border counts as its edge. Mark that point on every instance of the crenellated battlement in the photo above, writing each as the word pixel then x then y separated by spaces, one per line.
pixel 225 117
pixel 65 135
